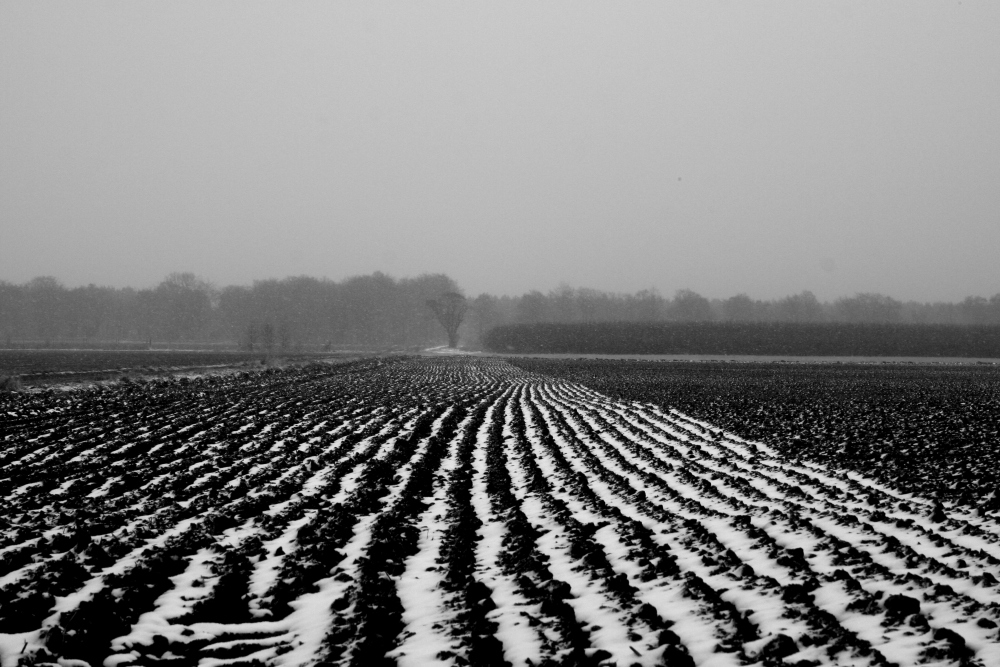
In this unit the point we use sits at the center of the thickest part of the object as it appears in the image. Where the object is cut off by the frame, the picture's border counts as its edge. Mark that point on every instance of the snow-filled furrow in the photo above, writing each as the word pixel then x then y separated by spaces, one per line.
pixel 461 511
pixel 671 491
pixel 775 494
pixel 652 572
pixel 808 508
pixel 204 588
pixel 936 555
pixel 168 521
pixel 704 647
pixel 428 609
pixel 266 570
pixel 612 626
pixel 955 528
pixel 518 629
pixel 889 639
pixel 780 491
pixel 299 633
pixel 626 458
pixel 765 604
pixel 338 449
pixel 351 589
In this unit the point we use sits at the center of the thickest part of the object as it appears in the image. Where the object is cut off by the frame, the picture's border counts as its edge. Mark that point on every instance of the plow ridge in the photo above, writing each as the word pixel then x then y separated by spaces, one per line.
pixel 459 511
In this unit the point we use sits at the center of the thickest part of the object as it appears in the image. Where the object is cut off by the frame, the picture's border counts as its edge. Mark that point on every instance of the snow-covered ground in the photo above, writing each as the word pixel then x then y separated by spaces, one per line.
pixel 449 510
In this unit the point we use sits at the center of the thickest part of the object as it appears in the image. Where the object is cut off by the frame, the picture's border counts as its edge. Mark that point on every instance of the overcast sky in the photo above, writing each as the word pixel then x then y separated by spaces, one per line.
pixel 759 147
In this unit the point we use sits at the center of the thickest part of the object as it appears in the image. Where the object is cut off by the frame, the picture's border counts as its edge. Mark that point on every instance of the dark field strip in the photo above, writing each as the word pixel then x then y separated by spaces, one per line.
pixel 35 365
pixel 930 429
pixel 458 511
pixel 804 339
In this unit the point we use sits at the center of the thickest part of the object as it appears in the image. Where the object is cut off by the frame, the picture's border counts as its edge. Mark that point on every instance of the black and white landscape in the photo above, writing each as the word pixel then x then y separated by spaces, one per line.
pixel 451 334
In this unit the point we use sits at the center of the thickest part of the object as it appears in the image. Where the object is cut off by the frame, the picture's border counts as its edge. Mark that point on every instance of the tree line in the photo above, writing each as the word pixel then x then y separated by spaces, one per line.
pixel 380 311
pixel 566 305
pixel 294 313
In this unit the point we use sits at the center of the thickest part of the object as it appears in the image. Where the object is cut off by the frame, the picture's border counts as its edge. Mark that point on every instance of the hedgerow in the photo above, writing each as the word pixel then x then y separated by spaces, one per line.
pixel 749 338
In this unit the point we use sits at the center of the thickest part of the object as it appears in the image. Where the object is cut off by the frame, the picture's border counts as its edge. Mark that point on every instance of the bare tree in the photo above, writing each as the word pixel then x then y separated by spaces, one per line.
pixel 449 309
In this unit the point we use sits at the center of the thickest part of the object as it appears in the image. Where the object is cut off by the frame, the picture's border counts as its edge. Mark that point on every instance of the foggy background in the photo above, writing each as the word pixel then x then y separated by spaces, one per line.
pixel 377 311
pixel 724 147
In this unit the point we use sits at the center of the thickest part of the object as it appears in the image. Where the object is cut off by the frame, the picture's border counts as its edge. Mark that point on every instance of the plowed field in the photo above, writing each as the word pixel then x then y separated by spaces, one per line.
pixel 458 511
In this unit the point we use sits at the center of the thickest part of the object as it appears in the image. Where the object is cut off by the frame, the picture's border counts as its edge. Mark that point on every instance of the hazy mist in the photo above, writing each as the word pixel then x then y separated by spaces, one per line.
pixel 725 147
